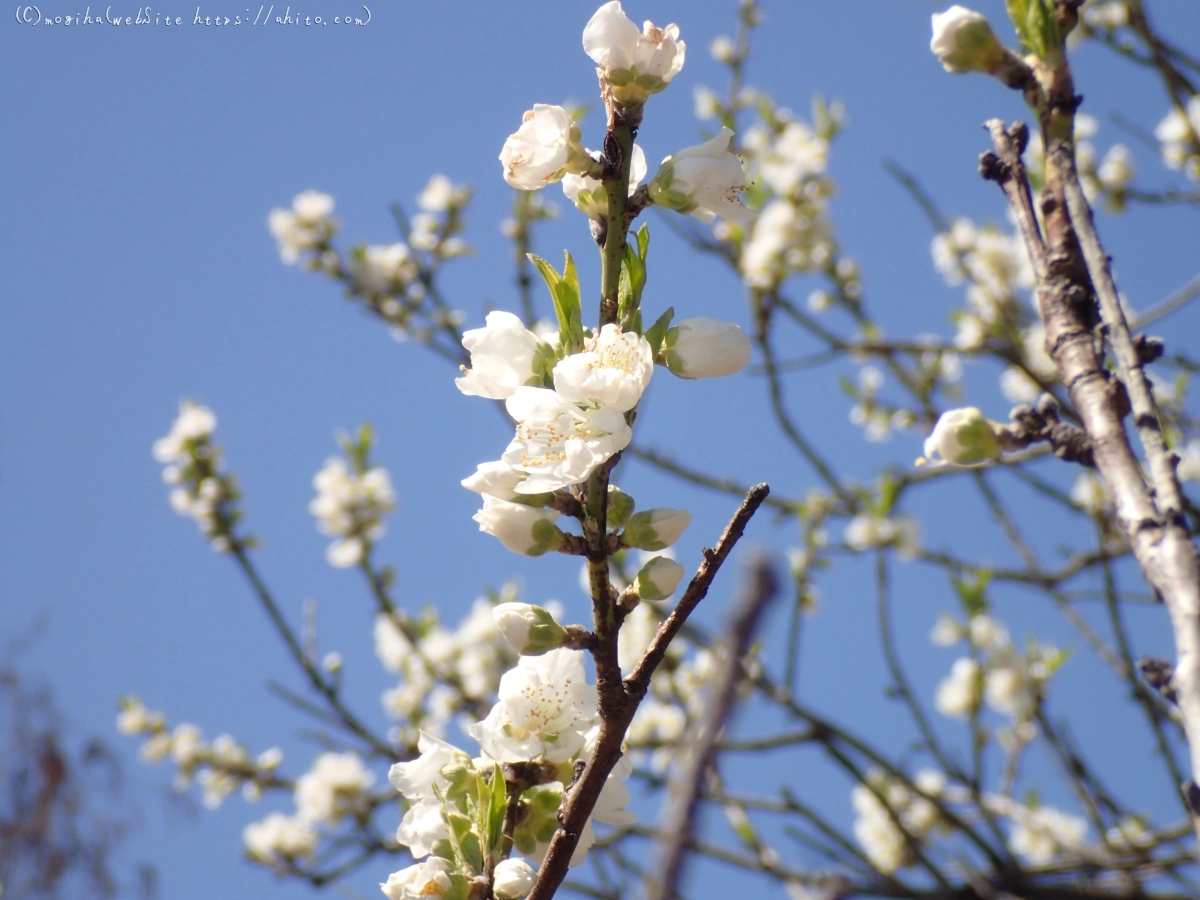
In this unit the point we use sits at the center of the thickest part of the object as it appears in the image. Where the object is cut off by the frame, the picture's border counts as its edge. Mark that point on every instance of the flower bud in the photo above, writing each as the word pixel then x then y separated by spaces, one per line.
pixel 514 879
pixel 620 507
pixel 588 194
pixel 543 149
pixel 962 437
pixel 706 348
pixel 705 180
pixel 658 578
pixel 522 529
pixel 655 529
pixel 530 630
pixel 963 41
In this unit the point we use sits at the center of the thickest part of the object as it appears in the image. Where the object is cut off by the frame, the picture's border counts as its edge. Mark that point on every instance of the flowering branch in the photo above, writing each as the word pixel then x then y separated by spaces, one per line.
pixel 580 799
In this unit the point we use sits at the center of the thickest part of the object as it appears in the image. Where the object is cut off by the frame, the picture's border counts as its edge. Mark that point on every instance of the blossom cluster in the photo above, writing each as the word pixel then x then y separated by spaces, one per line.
pixel 393 280
pixel 1011 682
pixel 219 767
pixel 546 721
pixel 1179 134
pixel 894 820
pixel 443 675
pixel 192 467
pixel 352 498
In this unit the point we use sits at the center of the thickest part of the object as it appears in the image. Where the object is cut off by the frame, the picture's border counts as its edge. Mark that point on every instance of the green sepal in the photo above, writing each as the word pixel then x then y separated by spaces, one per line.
pixel 465 841
pixel 656 334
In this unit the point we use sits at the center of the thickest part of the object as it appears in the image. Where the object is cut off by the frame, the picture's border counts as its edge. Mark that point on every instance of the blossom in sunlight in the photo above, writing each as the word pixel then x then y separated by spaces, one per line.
pixel 706 180
pixel 587 193
pixel 633 64
pixel 496 478
pixel 557 443
pixel 875 827
pixel 522 529
pixel 514 879
pixel 613 371
pixel 502 354
pixel 305 226
pixel 700 347
pixel 441 194
pixel 1116 170
pixel 1043 834
pixel 332 787
pixel 382 270
pixel 866 531
pixel 958 695
pixel 195 423
pixel 430 879
pixel 962 437
pixel 546 707
pixel 420 781
pixel 279 836
pixel 350 506
pixel 544 149
pixel 1177 133
pixel 963 41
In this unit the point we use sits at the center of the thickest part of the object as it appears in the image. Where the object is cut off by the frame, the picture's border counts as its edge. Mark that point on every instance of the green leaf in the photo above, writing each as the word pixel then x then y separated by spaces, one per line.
pixel 657 333
pixel 564 292
pixel 887 494
pixel 495 824
pixel 1036 25
pixel 972 593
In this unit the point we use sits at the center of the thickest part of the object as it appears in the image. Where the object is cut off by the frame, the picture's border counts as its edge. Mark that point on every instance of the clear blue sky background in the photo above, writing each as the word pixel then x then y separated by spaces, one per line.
pixel 139 167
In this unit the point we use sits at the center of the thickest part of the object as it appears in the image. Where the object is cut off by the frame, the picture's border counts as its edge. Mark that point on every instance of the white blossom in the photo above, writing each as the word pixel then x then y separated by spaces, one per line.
pixel 497 478
pixel 428 879
pixel 382 270
pixel 278 835
pixel 700 347
pixel 866 531
pixel 557 443
pixel 195 423
pixel 502 354
pixel 1116 170
pixel 543 149
pixel 440 194
pixel 350 506
pixel 545 709
pixel 706 180
pixel 1045 833
pixel 588 194
pixel 331 788
pixel 958 694
pixel 613 371
pixel 1177 134
pixel 306 225
pixel 632 64
pixel 946 631
pixel 522 529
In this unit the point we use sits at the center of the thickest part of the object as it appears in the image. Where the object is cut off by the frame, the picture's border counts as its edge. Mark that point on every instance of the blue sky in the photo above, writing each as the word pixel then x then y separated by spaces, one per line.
pixel 141 164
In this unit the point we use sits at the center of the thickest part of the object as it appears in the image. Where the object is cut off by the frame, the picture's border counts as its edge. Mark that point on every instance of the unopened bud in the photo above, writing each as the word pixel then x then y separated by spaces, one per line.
pixel 962 437
pixel 655 529
pixel 530 630
pixel 658 578
pixel 620 507
pixel 963 41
